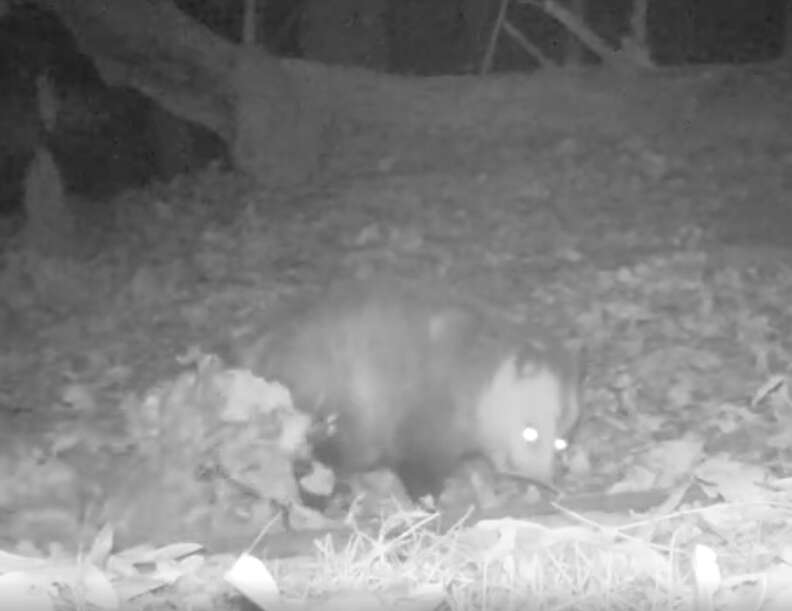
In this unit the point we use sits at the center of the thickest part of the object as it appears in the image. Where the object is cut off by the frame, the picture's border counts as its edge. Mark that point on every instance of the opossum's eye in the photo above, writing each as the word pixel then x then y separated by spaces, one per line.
pixel 530 434
pixel 560 444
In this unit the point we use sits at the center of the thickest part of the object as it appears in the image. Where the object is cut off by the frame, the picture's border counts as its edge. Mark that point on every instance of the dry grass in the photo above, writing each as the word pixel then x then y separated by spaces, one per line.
pixel 499 564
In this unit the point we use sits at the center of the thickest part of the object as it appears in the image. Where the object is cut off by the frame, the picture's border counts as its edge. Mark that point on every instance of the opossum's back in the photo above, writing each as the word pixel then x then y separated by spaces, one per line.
pixel 364 357
pixel 417 383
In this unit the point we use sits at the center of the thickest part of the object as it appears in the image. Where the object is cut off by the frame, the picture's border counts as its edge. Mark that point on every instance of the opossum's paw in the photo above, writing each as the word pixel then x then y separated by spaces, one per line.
pixel 304 518
pixel 472 484
pixel 370 494
pixel 383 488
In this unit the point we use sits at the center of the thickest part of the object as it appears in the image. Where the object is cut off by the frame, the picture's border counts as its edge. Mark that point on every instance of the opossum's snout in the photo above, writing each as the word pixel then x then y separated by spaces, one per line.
pixel 521 412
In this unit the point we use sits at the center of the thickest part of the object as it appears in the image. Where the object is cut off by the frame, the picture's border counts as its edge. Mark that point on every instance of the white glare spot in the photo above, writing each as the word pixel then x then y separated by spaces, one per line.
pixel 530 434
pixel 560 445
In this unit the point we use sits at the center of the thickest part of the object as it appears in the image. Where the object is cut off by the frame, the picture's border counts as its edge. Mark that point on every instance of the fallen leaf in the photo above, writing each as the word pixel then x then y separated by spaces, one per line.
pixel 102 546
pixel 254 581
pixel 706 573
pixel 79 397
pixel 18 590
pixel 735 481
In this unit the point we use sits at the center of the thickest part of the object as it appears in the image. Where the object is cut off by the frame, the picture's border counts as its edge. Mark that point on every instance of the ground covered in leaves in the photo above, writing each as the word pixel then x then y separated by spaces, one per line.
pixel 127 434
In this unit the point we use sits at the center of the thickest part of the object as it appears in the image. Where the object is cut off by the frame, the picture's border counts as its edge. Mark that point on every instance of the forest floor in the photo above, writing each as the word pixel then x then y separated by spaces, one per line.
pixel 671 257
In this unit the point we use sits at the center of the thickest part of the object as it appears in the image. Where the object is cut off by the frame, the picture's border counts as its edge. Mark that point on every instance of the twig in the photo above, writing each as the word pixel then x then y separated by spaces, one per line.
pixel 486 64
pixel 532 50
pixel 586 35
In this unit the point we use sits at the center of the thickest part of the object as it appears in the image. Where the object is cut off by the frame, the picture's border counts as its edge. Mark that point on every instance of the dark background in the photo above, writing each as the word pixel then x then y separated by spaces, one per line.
pixel 107 139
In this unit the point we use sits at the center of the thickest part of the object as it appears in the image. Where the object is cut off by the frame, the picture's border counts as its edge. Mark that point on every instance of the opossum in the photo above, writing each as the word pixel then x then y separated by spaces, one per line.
pixel 417 384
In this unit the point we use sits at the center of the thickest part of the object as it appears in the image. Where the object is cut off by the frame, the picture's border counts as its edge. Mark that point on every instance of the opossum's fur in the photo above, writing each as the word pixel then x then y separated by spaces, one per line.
pixel 416 384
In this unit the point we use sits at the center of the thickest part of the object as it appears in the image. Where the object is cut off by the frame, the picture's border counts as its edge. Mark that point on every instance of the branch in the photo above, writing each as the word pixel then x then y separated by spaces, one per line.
pixel 486 64
pixel 153 47
pixel 534 51
pixel 586 35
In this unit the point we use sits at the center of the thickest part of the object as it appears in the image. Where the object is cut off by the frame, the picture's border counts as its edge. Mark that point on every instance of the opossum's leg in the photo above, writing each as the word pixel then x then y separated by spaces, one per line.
pixel 482 481
pixel 420 479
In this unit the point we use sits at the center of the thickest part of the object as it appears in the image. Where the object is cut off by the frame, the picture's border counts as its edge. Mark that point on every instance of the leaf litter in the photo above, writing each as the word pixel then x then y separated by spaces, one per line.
pixel 124 443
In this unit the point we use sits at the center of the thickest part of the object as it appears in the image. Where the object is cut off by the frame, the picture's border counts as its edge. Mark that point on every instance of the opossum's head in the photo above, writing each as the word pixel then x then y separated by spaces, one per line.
pixel 528 411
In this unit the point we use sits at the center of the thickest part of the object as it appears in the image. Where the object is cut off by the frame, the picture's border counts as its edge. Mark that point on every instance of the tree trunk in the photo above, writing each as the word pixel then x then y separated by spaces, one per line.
pixel 284 119
pixel 245 96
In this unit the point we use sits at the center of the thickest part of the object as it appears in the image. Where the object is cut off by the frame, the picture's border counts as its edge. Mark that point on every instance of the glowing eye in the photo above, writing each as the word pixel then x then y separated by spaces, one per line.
pixel 560 445
pixel 530 435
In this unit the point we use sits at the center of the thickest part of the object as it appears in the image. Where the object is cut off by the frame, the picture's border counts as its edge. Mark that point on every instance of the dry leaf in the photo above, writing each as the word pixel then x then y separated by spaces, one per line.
pixel 253 580
pixel 19 590
pixel 735 481
pixel 79 397
pixel 320 481
pixel 707 576
pixel 102 546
